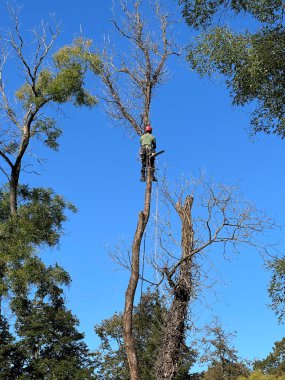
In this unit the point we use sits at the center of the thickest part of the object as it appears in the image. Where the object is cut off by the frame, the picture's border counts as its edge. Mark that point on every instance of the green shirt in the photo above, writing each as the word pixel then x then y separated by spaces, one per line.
pixel 148 139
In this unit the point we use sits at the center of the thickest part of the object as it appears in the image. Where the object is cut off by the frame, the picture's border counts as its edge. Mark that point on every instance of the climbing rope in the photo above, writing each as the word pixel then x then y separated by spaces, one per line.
pixel 155 249
pixel 141 292
pixel 142 275
pixel 156 233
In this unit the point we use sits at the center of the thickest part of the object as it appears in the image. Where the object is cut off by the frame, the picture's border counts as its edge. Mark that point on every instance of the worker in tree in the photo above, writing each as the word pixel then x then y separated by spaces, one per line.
pixel 148 146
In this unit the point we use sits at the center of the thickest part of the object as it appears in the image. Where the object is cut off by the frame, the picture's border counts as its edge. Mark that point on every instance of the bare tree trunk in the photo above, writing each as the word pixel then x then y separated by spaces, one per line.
pixel 174 328
pixel 129 339
pixel 137 73
pixel 16 167
pixel 14 182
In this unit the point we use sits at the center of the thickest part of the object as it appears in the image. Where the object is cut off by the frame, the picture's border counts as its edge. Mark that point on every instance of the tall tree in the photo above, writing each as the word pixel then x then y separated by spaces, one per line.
pixel 45 82
pixel 129 82
pixel 47 334
pixel 175 325
pixel 221 356
pixel 252 60
pixel 48 341
pixel 223 220
pixel 143 69
pixel 274 363
pixel 132 77
pixel 11 355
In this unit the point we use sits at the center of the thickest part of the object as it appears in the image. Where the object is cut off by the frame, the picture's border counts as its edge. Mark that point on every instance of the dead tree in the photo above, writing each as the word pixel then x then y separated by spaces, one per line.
pixel 223 220
pixel 129 339
pixel 130 78
pixel 129 84
pixel 174 331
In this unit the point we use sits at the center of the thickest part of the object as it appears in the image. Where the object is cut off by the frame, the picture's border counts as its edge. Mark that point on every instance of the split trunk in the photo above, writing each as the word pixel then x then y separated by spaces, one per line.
pixel 175 325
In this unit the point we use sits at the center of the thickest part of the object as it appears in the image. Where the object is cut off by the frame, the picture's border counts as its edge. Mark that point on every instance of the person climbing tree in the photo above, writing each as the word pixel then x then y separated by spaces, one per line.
pixel 148 146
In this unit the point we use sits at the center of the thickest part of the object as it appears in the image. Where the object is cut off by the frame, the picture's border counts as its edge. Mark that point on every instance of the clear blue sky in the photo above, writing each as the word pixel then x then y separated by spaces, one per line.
pixel 96 168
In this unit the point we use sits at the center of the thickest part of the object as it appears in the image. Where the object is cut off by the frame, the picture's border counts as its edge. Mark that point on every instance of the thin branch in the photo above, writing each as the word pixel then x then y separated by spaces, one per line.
pixel 6 158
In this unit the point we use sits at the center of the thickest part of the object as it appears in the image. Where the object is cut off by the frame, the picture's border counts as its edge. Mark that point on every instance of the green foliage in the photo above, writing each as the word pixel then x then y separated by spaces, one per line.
pixel 47 131
pixel 274 363
pixel 229 371
pixel 111 357
pixel 11 357
pixel 258 375
pixel 39 221
pixel 78 53
pixel 48 343
pixel 222 358
pixel 33 274
pixel 73 62
pixel 187 358
pixel 66 81
pixel 40 218
pixel 203 13
pixel 200 12
pixel 147 328
pixel 62 87
pixel 148 321
pixel 69 81
pixel 51 343
pixel 60 82
pixel 251 62
pixel 277 287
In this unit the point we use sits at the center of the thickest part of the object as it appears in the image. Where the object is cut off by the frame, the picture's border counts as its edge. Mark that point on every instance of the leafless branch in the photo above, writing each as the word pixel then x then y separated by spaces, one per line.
pixel 143 69
pixel 43 47
pixel 5 173
pixel 224 219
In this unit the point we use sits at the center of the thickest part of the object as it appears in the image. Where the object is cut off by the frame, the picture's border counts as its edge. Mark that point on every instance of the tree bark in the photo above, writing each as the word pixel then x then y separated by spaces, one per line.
pixel 174 328
pixel 16 167
pixel 14 182
pixel 130 343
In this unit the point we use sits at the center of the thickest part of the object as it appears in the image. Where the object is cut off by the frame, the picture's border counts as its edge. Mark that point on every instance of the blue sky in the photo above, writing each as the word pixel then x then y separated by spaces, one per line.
pixel 97 169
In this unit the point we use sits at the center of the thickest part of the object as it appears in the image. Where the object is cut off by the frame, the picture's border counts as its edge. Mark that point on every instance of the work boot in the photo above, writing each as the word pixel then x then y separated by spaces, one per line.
pixel 153 176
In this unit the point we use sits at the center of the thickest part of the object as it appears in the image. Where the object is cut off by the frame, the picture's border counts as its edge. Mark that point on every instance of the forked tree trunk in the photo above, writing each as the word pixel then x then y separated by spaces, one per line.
pixel 129 339
pixel 174 328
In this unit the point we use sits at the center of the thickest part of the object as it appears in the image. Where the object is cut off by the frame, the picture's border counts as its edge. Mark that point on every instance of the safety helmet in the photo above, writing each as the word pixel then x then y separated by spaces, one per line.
pixel 148 128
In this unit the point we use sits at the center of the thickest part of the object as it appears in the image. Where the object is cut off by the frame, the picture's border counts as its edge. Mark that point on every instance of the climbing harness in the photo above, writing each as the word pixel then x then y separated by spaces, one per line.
pixel 148 156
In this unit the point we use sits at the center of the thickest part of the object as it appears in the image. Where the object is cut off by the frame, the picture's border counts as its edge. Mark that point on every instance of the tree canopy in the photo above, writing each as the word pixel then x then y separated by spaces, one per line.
pixel 251 58
pixel 274 363
pixel 277 287
pixel 45 343
pixel 149 317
